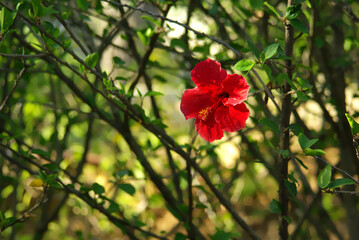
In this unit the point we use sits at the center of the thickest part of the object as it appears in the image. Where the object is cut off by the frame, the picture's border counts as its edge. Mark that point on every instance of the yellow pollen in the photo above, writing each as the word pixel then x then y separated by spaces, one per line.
pixel 203 114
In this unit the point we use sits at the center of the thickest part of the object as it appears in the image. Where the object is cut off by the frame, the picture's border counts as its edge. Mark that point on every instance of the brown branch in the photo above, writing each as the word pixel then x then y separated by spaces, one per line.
pixel 18 77
pixel 284 126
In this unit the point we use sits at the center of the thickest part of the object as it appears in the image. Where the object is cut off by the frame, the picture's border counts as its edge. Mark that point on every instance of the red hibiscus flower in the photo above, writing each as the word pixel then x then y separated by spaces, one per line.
pixel 217 101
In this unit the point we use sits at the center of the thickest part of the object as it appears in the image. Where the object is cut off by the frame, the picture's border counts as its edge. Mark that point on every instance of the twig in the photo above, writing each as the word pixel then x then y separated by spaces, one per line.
pixel 342 192
pixel 18 77
pixel 178 23
pixel 192 235
pixel 23 55
pixel 28 213
pixel 266 89
pixel 338 169
pixel 350 12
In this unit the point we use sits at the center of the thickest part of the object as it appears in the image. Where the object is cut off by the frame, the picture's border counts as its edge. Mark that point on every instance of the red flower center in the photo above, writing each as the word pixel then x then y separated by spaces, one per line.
pixel 203 114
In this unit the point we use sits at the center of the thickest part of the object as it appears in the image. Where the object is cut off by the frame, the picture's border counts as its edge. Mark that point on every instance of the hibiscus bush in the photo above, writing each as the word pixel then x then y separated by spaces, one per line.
pixel 179 119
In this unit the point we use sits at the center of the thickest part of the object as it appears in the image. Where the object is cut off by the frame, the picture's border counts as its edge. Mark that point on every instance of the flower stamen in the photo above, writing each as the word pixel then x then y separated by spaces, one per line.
pixel 203 114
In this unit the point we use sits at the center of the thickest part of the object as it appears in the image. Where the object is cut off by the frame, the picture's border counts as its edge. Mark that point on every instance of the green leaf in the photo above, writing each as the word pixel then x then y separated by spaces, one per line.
pixel 158 122
pixel 46 11
pixel 98 189
pixel 269 123
pixel 51 167
pixel 299 26
pixel 55 184
pixel 153 93
pixel 35 7
pixel 262 58
pixel 201 205
pixel 270 50
pixel 279 14
pixel 50 178
pixel 128 188
pixel 243 65
pixel 254 49
pixel 6 19
pixel 114 207
pixel 353 124
pixel 92 59
pixel 301 163
pixel 313 152
pixel 340 182
pixel 138 92
pixel 175 212
pixel 221 235
pixel 275 207
pixel 180 236
pixel 176 42
pixel 325 176
pixel 152 20
pixel 284 153
pixel 83 4
pixel 142 37
pixel 301 96
pixel 118 61
pixel 305 142
pixel 291 186
pixel 284 76
pixel 289 221
pixel 122 173
pixel 42 175
pixel 296 128
pixel 84 188
pixel 293 11
pixel 256 4
pixel 40 152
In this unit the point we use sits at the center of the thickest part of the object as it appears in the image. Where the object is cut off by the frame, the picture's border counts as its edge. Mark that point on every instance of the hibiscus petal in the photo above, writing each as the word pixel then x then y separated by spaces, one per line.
pixel 208 73
pixel 237 87
pixel 232 118
pixel 209 130
pixel 193 101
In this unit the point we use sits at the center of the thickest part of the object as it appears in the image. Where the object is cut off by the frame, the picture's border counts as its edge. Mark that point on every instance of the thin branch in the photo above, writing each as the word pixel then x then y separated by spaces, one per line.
pixel 345 173
pixel 18 77
pixel 28 213
pixel 86 198
pixel 23 55
pixel 337 192
pixel 266 89
pixel 178 23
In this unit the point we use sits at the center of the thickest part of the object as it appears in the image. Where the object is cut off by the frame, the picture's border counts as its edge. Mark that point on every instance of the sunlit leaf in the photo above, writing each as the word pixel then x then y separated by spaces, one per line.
pixel 92 59
pixel 293 11
pixel 153 93
pixel 270 50
pixel 243 65
pixel 36 183
pixel 353 124
pixel 279 14
pixel 313 152
pixel 325 176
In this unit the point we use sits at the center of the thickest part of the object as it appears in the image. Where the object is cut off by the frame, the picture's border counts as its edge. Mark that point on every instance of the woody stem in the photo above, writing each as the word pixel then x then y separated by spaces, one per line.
pixel 284 125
